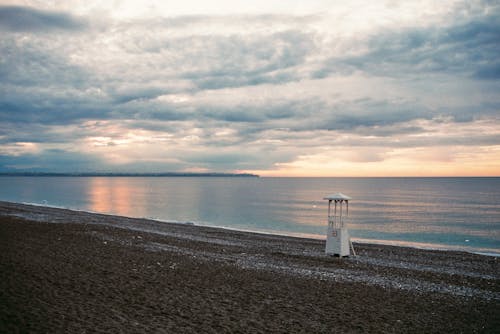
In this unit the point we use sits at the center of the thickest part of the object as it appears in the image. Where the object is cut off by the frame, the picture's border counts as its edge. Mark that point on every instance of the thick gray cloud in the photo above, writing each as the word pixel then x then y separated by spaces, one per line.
pixel 25 64
pixel 366 113
pixel 219 61
pixel 25 19
pixel 464 49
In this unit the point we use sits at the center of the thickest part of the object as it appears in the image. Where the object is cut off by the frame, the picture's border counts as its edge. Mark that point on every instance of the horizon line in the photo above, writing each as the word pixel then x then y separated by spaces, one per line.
pixel 221 174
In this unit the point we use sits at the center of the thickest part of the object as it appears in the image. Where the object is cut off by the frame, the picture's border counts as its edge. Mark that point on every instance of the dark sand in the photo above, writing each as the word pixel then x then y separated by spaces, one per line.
pixel 72 272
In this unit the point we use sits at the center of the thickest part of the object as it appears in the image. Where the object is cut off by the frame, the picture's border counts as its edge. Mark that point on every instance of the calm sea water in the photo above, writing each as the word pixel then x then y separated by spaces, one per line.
pixel 450 213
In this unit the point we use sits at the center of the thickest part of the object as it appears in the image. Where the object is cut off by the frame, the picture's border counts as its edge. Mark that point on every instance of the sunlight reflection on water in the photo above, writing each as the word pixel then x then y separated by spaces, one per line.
pixel 444 211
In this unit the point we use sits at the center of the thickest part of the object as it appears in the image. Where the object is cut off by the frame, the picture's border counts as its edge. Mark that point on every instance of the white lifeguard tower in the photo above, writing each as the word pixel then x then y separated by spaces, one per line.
pixel 338 242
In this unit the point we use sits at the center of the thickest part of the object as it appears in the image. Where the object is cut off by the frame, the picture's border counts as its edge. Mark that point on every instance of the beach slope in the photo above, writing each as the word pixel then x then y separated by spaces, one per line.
pixel 64 271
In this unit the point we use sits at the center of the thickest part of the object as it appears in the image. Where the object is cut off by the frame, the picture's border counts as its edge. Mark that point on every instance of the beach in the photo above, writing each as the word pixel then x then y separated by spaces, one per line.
pixel 64 271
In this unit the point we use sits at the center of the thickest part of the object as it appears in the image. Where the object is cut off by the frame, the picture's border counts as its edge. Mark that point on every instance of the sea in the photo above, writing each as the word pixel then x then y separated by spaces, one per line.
pixel 436 213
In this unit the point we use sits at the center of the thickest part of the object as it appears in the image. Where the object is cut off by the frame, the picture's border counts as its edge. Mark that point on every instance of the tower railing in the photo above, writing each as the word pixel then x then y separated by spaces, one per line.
pixel 337 222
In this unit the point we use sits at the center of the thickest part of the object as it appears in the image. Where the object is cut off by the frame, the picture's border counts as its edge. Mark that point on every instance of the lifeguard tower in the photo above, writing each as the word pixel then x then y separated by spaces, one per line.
pixel 338 242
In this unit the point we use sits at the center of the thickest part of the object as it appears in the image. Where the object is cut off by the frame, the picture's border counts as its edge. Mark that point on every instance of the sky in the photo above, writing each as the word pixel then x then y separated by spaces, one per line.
pixel 276 88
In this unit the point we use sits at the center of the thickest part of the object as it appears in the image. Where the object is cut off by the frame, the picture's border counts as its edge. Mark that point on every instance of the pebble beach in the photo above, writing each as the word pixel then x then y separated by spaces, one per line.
pixel 64 271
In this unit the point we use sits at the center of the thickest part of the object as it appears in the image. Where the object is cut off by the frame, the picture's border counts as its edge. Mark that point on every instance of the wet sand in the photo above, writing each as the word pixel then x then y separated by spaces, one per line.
pixel 63 271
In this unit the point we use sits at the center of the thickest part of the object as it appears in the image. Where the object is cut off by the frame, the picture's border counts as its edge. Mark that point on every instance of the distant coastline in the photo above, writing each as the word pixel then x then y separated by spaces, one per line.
pixel 167 174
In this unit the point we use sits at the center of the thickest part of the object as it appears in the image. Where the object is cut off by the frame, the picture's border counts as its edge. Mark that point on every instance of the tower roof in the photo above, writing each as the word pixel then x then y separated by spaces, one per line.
pixel 337 196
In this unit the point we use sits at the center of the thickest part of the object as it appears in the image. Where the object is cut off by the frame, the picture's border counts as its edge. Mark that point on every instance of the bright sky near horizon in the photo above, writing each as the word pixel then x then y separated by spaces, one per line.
pixel 277 88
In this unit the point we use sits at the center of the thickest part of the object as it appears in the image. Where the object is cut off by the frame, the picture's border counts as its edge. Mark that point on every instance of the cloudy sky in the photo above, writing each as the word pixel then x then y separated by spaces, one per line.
pixel 278 88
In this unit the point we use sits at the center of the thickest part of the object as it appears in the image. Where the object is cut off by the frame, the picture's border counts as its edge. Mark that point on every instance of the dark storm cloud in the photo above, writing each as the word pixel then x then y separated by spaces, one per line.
pixel 465 49
pixel 26 19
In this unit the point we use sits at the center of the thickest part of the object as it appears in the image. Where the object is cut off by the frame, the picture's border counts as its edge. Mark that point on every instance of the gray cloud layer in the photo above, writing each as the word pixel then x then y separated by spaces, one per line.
pixel 168 76
pixel 25 19
pixel 460 49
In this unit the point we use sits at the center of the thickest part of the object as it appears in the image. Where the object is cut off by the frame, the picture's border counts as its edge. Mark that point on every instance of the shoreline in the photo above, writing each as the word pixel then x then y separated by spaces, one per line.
pixel 66 271
pixel 361 241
